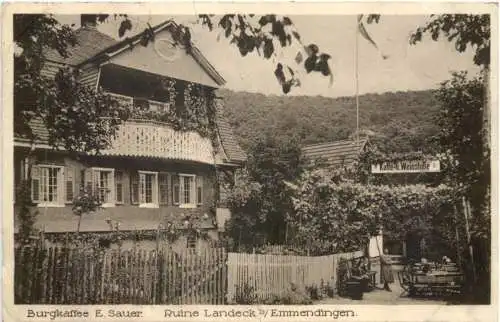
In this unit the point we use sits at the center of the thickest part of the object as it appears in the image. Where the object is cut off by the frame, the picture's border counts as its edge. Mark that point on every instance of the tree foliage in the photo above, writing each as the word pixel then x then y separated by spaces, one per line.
pixel 466 161
pixel 335 215
pixel 77 117
pixel 398 122
pixel 261 199
pixel 465 31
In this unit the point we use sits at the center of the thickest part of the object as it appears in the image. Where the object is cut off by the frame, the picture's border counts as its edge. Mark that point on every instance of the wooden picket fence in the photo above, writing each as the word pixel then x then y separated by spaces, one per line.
pixel 58 275
pixel 270 275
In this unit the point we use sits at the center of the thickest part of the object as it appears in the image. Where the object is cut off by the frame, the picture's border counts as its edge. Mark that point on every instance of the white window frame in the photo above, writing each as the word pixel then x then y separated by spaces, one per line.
pixel 192 241
pixel 61 195
pixel 95 171
pixel 165 107
pixel 182 203
pixel 154 192
pixel 122 97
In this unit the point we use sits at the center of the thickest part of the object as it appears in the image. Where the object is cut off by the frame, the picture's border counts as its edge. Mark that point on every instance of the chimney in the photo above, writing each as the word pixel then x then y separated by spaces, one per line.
pixel 88 21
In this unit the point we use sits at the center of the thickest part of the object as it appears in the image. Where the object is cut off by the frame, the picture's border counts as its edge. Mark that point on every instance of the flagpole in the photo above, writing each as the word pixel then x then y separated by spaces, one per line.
pixel 356 76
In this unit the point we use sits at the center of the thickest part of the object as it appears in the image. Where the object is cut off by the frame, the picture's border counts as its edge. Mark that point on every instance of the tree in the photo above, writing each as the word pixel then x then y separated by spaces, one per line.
pixel 466 160
pixel 78 118
pixel 261 199
pixel 466 31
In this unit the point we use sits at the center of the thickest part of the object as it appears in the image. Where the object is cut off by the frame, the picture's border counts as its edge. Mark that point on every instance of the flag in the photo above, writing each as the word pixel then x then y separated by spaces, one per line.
pixel 364 33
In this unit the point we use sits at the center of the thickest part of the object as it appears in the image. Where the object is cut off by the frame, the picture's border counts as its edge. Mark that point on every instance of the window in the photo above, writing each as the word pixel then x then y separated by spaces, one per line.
pixel 148 189
pixel 119 187
pixel 163 187
pixel 141 104
pixel 187 190
pixel 158 106
pixel 101 181
pixel 191 241
pixel 47 187
pixel 122 99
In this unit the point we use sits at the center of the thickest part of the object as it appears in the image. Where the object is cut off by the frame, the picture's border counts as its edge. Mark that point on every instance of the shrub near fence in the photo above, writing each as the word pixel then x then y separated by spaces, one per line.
pixel 273 275
pixel 59 275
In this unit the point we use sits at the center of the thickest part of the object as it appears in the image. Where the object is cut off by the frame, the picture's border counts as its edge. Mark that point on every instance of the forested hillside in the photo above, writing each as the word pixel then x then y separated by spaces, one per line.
pixel 399 122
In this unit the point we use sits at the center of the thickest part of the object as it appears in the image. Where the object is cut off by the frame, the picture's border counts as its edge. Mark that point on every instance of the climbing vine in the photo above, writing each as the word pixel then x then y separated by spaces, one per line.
pixel 191 107
pixel 340 216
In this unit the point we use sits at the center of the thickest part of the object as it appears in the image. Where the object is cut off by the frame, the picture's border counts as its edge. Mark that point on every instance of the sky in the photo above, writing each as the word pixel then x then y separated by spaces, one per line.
pixel 418 67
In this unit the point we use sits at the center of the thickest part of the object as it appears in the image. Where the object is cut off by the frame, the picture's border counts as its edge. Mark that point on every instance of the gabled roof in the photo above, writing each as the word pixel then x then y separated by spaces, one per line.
pixel 335 154
pixel 92 45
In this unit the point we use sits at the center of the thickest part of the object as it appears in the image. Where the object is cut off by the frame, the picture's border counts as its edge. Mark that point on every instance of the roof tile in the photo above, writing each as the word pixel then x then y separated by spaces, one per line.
pixel 335 154
pixel 90 42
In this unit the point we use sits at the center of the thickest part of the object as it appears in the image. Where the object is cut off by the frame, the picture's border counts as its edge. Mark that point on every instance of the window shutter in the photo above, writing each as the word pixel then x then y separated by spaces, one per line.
pixel 69 175
pixel 163 191
pixel 155 189
pixel 134 188
pixel 175 189
pixel 96 183
pixel 199 190
pixel 119 187
pixel 35 184
pixel 142 188
pixel 111 186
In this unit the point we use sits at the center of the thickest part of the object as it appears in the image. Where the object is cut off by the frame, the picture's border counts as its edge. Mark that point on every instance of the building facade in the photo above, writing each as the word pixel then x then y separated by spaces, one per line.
pixel 153 177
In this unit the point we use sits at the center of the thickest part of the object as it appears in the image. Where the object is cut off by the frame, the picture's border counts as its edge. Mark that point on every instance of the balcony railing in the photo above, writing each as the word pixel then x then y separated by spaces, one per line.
pixel 147 138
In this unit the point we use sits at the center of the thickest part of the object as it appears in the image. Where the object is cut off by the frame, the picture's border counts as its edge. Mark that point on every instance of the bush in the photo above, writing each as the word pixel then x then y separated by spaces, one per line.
pixel 245 295
pixel 326 289
pixel 314 292
pixel 296 297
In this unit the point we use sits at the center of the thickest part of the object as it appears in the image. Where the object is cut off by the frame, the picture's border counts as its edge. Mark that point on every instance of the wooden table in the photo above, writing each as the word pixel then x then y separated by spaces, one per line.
pixel 433 282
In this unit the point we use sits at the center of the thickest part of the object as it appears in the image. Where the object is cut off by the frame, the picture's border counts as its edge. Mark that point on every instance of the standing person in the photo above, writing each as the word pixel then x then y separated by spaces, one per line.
pixel 386 275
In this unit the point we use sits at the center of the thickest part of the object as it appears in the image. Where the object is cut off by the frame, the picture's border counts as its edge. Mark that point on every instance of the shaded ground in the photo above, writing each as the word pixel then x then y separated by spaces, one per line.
pixel 380 296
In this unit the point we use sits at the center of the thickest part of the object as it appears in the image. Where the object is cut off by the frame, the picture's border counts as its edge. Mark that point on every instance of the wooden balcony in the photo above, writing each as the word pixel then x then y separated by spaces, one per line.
pixel 145 138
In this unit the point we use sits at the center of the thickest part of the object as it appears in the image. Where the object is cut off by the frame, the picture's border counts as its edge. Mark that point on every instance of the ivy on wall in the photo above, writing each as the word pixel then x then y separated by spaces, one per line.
pixel 192 107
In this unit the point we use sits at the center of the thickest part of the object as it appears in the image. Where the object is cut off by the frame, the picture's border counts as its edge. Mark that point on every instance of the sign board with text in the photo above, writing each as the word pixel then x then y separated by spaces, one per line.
pixel 407 166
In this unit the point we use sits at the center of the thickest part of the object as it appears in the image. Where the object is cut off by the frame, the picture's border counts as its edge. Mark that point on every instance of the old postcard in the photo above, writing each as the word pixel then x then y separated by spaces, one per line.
pixel 270 162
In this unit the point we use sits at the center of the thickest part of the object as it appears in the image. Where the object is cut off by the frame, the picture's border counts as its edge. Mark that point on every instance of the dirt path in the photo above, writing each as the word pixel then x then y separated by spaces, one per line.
pixel 384 297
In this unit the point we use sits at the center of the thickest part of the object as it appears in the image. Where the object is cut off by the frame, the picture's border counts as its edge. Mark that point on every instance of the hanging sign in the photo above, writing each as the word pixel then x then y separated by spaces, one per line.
pixel 407 166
